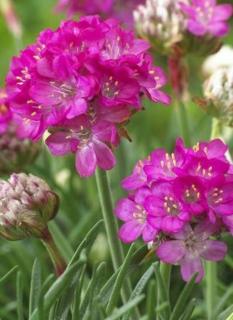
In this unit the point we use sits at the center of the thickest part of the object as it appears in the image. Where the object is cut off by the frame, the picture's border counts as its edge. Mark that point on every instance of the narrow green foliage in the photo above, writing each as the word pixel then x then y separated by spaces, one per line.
pixel 77 297
pixel 8 275
pixel 230 317
pixel 140 286
pixel 35 286
pixel 162 294
pixel 57 288
pixel 89 294
pixel 224 299
pixel 61 241
pixel 151 301
pixel 189 310
pixel 183 299
pixel 86 243
pixel 106 290
pixel 125 308
pixel 45 287
pixel 226 313
pixel 19 294
pixel 119 281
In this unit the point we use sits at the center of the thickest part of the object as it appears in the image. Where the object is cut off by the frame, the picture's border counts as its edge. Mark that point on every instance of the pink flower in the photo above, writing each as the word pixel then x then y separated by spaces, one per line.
pixel 166 211
pixel 132 212
pixel 138 178
pixel 206 17
pixel 5 113
pixel 92 70
pixel 119 9
pixel 90 143
pixel 188 247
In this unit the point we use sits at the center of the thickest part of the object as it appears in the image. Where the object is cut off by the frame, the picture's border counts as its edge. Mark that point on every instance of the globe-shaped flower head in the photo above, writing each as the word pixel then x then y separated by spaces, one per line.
pixel 81 82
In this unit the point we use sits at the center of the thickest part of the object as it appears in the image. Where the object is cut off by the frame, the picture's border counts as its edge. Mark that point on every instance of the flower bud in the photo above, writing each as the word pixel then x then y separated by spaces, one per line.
pixel 221 59
pixel 26 205
pixel 161 22
pixel 15 153
pixel 218 95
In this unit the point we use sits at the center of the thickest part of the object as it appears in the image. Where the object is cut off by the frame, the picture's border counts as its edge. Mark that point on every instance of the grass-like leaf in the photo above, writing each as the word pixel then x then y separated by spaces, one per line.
pixel 8 274
pixel 87 241
pixel 45 287
pixel 61 241
pixel 162 294
pixel 58 287
pixel 89 294
pixel 35 286
pixel 125 308
pixel 119 281
pixel 77 297
pixel 151 301
pixel 140 286
pixel 184 297
pixel 189 310
pixel 19 294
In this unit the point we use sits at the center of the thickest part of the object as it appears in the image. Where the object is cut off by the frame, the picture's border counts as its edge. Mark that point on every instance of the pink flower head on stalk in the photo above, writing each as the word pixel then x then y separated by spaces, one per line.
pixel 188 247
pixel 5 113
pixel 81 83
pixel 207 17
pixel 183 199
pixel 117 9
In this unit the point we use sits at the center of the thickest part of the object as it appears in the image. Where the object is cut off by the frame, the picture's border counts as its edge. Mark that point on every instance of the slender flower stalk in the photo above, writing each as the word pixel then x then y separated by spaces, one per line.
pixel 109 219
pixel 179 82
pixel 211 289
pixel 111 226
pixel 57 259
pixel 211 267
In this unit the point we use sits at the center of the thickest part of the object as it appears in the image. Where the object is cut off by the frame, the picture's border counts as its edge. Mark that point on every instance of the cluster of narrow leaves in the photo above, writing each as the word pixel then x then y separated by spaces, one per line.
pixel 79 295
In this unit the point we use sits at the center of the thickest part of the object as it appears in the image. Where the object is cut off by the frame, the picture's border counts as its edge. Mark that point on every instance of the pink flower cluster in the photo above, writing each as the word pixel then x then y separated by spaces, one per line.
pixel 179 201
pixel 81 82
pixel 5 113
pixel 207 17
pixel 122 10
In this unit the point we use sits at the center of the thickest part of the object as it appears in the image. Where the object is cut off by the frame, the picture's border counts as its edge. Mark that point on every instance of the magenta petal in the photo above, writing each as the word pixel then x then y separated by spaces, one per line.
pixel 86 161
pixel 196 28
pixel 130 231
pixel 58 143
pixel 171 224
pixel 190 266
pixel 219 29
pixel 171 251
pixel 77 107
pixel 125 209
pixel 214 250
pixel 222 12
pixel 105 157
pixel 149 233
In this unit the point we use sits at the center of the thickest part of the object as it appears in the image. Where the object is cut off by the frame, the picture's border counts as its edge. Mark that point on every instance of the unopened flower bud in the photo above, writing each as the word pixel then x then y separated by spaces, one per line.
pixel 26 205
pixel 15 153
pixel 221 59
pixel 218 95
pixel 161 22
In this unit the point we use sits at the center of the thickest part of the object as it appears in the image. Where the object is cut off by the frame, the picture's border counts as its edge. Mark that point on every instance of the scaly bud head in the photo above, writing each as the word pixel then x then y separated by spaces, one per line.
pixel 26 205
pixel 218 93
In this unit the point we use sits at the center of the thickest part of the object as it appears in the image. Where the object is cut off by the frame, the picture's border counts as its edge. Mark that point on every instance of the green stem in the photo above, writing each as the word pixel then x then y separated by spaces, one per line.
pixel 211 267
pixel 111 226
pixel 165 270
pixel 184 123
pixel 57 259
pixel 211 289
